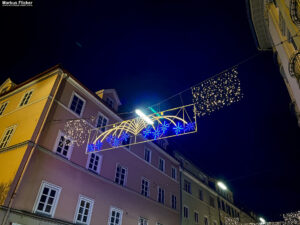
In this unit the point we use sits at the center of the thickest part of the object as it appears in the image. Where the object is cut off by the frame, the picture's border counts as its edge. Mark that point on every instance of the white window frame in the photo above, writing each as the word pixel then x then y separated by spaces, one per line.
pixel 24 97
pixel 196 212
pixel 13 127
pixel 144 220
pixel 164 164
pixel 175 169
pixel 99 163
pixel 189 190
pixel 70 102
pixel 86 199
pixel 150 155
pixel 101 114
pixel 60 133
pixel 185 206
pixel 205 217
pixel 148 193
pixel 37 200
pixel 116 210
pixel 163 196
pixel 3 107
pixel 126 174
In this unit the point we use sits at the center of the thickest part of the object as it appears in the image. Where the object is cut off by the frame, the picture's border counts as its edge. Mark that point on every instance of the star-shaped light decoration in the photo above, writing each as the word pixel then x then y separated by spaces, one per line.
pixel 98 145
pixel 189 127
pixel 156 133
pixel 178 128
pixel 90 148
pixel 147 131
pixel 124 136
pixel 109 139
pixel 115 142
pixel 164 127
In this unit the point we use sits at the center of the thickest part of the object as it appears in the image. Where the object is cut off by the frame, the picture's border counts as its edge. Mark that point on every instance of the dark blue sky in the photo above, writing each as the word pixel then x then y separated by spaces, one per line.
pixel 151 50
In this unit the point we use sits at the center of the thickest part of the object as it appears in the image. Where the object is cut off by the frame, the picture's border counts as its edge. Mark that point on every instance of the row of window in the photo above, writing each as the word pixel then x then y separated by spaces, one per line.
pixel 64 144
pixel 196 216
pixel 227 208
pixel 94 164
pixel 161 163
pixel 24 101
pixel 64 148
pixel 47 201
pixel 76 106
pixel 187 188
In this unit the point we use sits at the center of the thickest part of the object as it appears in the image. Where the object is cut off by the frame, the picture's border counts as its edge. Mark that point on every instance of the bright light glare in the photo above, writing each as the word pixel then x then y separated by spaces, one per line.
pixel 143 116
pixel 222 185
pixel 262 220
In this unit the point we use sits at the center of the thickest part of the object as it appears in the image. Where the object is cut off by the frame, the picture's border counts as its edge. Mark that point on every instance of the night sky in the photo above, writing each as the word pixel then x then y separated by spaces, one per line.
pixel 150 50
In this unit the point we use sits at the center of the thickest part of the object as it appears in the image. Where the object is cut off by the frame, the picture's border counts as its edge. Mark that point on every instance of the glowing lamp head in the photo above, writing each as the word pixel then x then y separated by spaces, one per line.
pixel 262 220
pixel 143 116
pixel 222 185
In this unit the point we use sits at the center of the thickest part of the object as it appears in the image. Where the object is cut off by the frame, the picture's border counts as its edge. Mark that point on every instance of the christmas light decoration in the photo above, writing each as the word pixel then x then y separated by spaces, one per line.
pixel 292 218
pixel 217 92
pixel 232 221
pixel 159 125
pixel 222 185
pixel 77 130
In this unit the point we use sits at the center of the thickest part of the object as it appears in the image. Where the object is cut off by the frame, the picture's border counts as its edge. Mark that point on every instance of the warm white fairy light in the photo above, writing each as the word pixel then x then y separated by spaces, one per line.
pixel 292 218
pixel 217 92
pixel 232 221
pixel 78 130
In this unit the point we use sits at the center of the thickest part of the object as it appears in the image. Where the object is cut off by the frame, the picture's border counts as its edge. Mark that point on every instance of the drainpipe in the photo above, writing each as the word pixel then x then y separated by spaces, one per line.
pixel 12 198
pixel 180 191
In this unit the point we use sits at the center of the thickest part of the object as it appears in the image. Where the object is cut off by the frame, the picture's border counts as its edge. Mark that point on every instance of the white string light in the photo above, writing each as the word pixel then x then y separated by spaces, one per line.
pixel 217 92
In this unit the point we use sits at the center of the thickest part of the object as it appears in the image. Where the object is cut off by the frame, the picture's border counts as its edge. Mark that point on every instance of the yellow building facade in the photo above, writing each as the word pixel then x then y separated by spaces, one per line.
pixel 276 27
pixel 23 109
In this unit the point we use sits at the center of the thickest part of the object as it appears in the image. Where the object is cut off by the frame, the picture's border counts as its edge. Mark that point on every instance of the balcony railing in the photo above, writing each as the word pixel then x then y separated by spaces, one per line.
pixel 295 11
pixel 294 66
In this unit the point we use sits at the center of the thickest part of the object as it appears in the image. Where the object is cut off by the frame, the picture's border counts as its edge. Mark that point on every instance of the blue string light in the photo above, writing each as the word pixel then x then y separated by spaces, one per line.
pixel 178 128
pixel 109 138
pixel 156 133
pixel 91 148
pixel 116 142
pixel 164 127
pixel 189 127
pixel 124 136
pixel 147 131
pixel 98 145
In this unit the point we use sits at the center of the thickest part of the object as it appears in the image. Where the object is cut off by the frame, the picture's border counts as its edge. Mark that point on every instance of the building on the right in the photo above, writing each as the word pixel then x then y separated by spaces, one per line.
pixel 275 25
pixel 204 200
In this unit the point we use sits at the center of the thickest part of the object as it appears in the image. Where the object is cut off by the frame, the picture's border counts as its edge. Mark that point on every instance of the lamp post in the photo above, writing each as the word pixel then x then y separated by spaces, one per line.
pixel 262 220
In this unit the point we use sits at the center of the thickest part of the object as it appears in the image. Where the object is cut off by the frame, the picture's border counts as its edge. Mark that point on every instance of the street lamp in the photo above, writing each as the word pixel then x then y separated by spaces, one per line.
pixel 144 117
pixel 262 220
pixel 222 185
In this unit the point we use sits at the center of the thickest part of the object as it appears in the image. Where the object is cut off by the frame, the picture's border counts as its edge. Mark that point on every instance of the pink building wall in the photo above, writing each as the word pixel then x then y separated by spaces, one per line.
pixel 74 179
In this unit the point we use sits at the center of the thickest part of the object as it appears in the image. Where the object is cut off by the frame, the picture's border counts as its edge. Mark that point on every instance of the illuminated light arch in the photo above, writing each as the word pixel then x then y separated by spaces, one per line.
pixel 166 124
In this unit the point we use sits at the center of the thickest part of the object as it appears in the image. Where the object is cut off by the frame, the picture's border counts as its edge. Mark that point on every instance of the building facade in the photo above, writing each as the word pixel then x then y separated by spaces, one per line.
pixel 203 201
pixel 275 25
pixel 55 182
pixel 46 177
